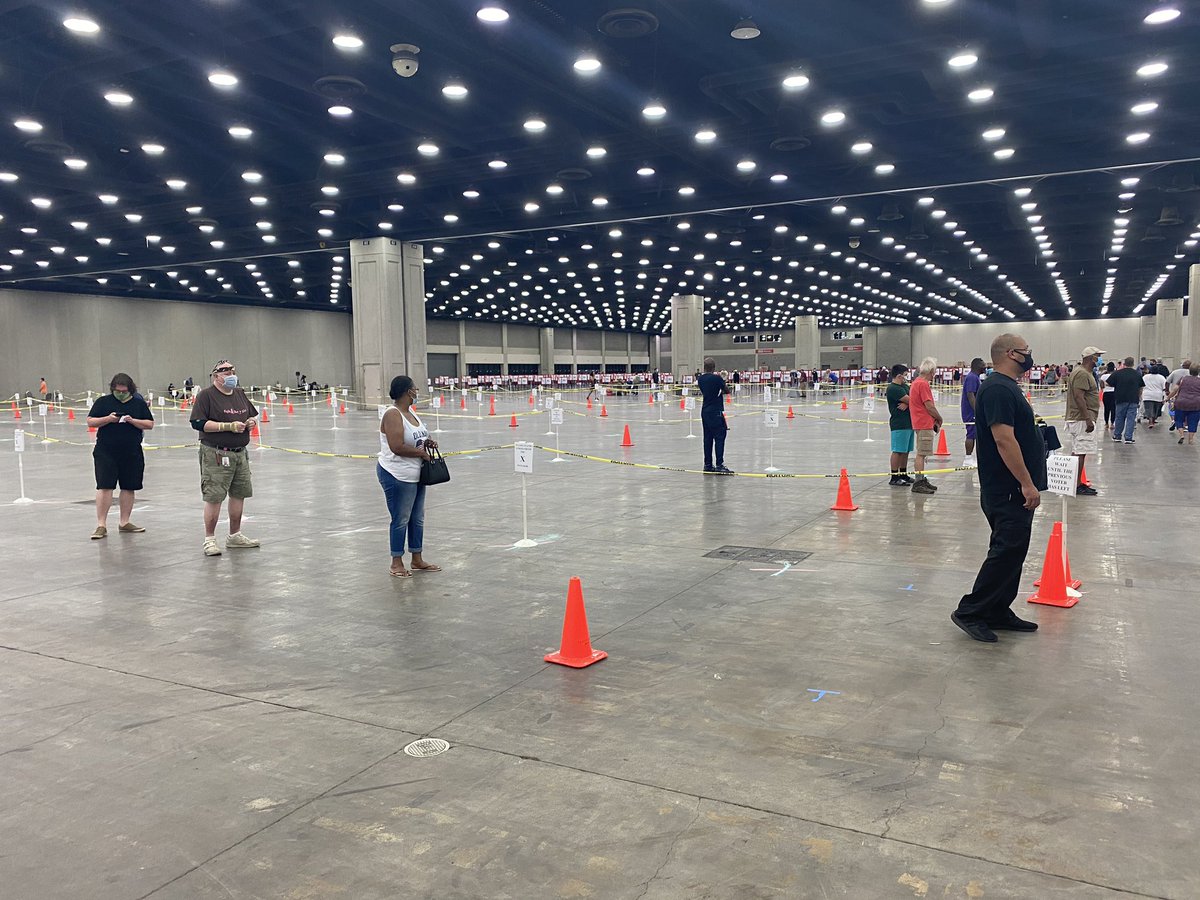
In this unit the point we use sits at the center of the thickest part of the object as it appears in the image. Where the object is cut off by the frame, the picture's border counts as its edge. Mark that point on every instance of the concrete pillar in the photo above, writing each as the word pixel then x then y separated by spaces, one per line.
pixel 504 348
pixel 1147 340
pixel 574 351
pixel 870 345
pixel 655 353
pixel 546 348
pixel 388 281
pixel 687 335
pixel 808 342
pixel 1168 327
pixel 462 349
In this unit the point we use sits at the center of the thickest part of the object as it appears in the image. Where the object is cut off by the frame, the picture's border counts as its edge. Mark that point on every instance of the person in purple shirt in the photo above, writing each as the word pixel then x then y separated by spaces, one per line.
pixel 970 389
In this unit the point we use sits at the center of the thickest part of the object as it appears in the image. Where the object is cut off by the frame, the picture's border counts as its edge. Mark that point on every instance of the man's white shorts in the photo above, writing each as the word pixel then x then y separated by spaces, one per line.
pixel 1081 442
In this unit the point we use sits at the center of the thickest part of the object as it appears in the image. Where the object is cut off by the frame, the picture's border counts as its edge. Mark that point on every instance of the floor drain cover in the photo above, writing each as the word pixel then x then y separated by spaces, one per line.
pixel 427 747
pixel 758 554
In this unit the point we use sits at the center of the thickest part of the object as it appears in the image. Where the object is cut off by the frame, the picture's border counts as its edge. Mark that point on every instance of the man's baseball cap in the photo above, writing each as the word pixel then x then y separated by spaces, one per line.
pixel 1090 351
pixel 221 364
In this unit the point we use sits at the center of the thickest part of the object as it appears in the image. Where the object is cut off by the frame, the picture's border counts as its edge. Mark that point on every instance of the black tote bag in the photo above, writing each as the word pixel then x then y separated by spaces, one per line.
pixel 434 470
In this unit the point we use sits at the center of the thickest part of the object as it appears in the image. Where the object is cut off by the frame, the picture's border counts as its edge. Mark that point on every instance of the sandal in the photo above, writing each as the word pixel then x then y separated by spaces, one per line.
pixel 403 573
pixel 428 567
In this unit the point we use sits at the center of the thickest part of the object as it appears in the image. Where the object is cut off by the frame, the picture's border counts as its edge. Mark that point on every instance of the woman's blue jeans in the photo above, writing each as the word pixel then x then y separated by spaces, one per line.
pixel 406 503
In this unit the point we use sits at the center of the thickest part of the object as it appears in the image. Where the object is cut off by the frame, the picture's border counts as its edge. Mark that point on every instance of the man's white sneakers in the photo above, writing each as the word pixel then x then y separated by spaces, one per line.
pixel 211 548
pixel 238 541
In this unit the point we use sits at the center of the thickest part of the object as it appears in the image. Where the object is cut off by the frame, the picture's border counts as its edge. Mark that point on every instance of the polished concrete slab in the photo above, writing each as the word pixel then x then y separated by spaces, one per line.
pixel 179 726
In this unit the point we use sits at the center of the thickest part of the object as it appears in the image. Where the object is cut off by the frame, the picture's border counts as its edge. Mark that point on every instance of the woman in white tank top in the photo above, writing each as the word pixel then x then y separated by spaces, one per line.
pixel 404 443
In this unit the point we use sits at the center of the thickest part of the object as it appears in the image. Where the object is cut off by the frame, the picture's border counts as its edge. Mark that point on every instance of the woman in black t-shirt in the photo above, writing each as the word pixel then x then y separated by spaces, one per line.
pixel 120 417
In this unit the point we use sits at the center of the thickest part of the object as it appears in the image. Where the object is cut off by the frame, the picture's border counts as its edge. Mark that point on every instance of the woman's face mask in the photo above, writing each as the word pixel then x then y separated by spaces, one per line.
pixel 123 396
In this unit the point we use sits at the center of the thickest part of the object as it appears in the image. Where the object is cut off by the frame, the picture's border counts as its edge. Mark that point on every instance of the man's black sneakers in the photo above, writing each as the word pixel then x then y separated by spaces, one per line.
pixel 1086 490
pixel 976 630
pixel 1013 623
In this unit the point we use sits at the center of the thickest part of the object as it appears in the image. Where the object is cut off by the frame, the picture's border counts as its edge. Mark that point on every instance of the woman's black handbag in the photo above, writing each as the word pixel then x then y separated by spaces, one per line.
pixel 434 470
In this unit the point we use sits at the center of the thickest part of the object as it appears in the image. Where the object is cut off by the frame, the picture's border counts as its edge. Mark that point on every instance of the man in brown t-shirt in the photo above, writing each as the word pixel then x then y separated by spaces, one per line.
pixel 224 416
pixel 1083 408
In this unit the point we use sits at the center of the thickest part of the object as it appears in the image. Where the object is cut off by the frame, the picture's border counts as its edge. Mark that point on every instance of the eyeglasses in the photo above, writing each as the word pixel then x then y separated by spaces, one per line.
pixel 224 369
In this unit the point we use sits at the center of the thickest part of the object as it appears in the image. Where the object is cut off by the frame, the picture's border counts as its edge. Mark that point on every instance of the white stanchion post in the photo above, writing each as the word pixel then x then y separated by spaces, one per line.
pixel 523 465
pixel 556 419
pixel 333 407
pixel 548 405
pixel 771 420
pixel 19 448
pixel 436 403
pixel 690 404
pixel 660 400
pixel 868 408
pixel 45 428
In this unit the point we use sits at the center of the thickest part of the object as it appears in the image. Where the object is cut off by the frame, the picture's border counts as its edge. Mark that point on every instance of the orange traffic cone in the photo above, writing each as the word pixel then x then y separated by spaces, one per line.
pixel 845 503
pixel 341 409
pixel 70 415
pixel 1052 586
pixel 254 431
pixel 727 400
pixel 650 399
pixel 791 415
pixel 1073 583
pixel 589 401
pixel 942 448
pixel 576 648
pixel 266 416
pixel 463 404
pixel 844 404
pixel 1083 479
pixel 329 399
pixel 532 401
pixel 627 441
pixel 603 411
pixel 16 412
pixel 513 423
pixel 492 406
pixel 291 410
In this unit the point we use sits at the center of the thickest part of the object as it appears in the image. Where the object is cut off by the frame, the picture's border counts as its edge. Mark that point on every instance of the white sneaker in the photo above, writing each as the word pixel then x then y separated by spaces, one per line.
pixel 211 548
pixel 237 540
pixel 970 463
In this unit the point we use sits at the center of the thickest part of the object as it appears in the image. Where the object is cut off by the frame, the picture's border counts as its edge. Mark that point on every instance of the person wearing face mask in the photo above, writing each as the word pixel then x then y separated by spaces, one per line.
pixel 1083 409
pixel 404 443
pixel 224 416
pixel 1012 475
pixel 119 418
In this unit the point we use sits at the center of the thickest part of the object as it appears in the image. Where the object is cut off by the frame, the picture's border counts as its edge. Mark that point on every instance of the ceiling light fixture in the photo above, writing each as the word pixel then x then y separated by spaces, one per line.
pixel 222 79
pixel 80 25
pixel 587 64
pixel 745 30
pixel 251 176
pixel 1152 69
pixel 885 169
pixel 654 110
pixel 981 95
pixel 963 60
pixel 833 117
pixel 241 132
pixel 118 98
pixel 1004 153
pixel 406 178
pixel 645 171
pixel 1138 137
pixel 75 163
pixel 596 152
pixel 153 149
pixel 428 148
pixel 746 165
pixel 993 134
pixel 454 89
pixel 346 41
pixel 1161 16
pixel 535 124
pixel 1141 109
pixel 340 110
pixel 795 81
pixel 861 147
pixel 493 13
pixel 497 164
pixel 31 126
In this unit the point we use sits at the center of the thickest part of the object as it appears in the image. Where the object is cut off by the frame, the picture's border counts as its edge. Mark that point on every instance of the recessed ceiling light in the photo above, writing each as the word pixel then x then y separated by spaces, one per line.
pixel 746 165
pixel 497 164
pixel 833 117
pixel 493 13
pixel 1023 191
pixel 706 135
pixel 535 124
pixel 885 169
pixel 241 132
pixel 395 207
pixel 428 148
pixel 108 199
pixel 963 60
pixel 1004 153
pixel 334 158
pixel 454 89
pixel 687 190
pixel 1159 16
pixel 745 30
pixel 258 200
pixel 340 110
pixel 251 176
pixel 75 163
pixel 471 194
pixel 1141 109
pixel 1138 137
pixel 406 178
pixel 41 202
pixel 153 149
pixel 79 226
pixel 531 207
pixel 587 64
pixel 861 147
pixel 654 110
pixel 645 171
pixel 779 178
pixel 450 218
pixel 345 41
pixel 1130 182
pixel 118 98
pixel 32 126
pixel 993 134
pixel 1151 69
pixel 80 25
pixel 554 189
pixel 599 201
pixel 329 190
pixel 795 81
pixel 981 95
pixel 222 79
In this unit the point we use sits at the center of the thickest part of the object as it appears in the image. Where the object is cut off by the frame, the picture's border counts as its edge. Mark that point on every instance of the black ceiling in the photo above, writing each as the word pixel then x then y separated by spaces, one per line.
pixel 1064 76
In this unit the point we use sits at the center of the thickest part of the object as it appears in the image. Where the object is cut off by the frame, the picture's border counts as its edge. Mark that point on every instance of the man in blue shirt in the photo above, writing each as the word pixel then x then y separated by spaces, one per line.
pixel 970 389
pixel 712 417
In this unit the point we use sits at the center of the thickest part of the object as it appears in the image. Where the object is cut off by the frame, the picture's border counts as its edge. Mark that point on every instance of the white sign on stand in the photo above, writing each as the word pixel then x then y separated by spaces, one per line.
pixel 767 394
pixel 42 410
pixel 19 441
pixel 523 465
pixel 689 404
pixel 523 458
pixel 19 447
pixel 556 416
pixel 771 420
pixel 1062 474
pixel 868 408
pixel 556 419
pixel 437 402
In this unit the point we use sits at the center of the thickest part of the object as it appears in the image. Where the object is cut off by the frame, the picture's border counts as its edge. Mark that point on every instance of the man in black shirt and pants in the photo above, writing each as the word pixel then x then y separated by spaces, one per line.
pixel 712 417
pixel 1012 472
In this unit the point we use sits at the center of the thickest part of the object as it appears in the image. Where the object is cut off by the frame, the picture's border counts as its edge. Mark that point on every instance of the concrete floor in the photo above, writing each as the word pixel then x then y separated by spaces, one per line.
pixel 173 726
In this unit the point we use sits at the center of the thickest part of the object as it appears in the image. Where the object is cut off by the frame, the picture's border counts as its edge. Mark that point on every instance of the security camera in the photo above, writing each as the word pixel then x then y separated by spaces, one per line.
pixel 404 59
pixel 854 242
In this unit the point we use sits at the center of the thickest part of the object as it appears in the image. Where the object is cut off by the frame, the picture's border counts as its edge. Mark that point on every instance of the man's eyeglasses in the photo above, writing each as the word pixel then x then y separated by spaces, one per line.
pixel 225 369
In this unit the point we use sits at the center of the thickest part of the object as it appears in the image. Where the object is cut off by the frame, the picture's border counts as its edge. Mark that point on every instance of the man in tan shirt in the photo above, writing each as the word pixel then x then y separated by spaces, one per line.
pixel 1083 409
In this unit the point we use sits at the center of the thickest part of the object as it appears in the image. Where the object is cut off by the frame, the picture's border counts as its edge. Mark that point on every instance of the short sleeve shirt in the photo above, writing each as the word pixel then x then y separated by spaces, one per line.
pixel 712 387
pixel 970 385
pixel 917 395
pixel 900 419
pixel 117 437
pixel 1001 402
pixel 1126 384
pixel 1083 380
pixel 218 407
